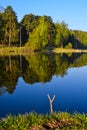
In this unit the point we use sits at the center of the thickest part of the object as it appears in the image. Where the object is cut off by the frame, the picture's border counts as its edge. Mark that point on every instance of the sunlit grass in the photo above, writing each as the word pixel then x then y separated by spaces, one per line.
pixel 55 121
pixel 26 50
pixel 4 51
pixel 13 50
pixel 65 50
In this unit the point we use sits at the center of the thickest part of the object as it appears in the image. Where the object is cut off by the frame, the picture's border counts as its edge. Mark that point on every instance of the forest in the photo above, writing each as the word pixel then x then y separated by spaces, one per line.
pixel 38 32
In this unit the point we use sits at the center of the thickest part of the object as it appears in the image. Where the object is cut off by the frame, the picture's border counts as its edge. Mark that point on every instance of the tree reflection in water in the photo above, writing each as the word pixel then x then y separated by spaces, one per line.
pixel 36 67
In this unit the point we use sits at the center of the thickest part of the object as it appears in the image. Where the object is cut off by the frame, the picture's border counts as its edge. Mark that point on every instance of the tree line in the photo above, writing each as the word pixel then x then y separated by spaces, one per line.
pixel 38 32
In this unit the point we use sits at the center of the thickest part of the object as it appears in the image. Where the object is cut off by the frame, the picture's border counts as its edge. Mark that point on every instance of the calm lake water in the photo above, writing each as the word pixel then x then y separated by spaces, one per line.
pixel 26 81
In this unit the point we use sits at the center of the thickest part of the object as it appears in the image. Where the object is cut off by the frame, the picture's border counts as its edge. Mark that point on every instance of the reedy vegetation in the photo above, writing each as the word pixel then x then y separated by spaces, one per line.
pixel 54 121
pixel 38 32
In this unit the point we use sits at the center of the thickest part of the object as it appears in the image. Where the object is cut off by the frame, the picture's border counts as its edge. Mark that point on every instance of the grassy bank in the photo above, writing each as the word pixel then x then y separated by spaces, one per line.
pixel 14 50
pixel 54 121
pixel 63 50
pixel 25 50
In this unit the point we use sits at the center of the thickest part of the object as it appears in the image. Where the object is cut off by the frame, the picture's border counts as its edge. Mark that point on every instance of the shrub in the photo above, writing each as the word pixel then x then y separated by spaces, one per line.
pixel 69 45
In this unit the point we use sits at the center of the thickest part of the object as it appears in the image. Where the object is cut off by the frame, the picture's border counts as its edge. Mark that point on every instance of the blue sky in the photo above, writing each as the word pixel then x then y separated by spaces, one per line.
pixel 73 12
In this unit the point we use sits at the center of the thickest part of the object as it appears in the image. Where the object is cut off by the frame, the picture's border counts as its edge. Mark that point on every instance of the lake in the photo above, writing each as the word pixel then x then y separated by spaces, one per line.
pixel 25 82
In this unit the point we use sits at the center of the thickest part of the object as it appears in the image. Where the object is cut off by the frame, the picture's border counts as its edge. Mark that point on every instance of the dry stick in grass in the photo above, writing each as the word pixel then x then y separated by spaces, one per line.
pixel 51 101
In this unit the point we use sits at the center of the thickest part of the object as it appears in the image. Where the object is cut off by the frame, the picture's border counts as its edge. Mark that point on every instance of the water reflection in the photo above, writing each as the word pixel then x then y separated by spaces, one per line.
pixel 35 68
pixel 25 82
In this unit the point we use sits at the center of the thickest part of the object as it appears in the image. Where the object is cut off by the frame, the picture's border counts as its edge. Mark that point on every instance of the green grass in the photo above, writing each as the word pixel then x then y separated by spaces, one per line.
pixel 26 50
pixel 64 50
pixel 54 121
pixel 14 50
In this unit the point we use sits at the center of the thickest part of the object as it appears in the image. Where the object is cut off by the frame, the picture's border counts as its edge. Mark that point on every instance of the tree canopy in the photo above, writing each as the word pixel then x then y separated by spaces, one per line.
pixel 39 36
pixel 38 32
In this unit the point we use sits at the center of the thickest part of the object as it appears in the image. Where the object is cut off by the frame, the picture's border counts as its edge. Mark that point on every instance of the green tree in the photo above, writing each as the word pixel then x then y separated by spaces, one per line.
pixel 1 28
pixel 58 35
pixel 28 23
pixel 78 39
pixel 81 36
pixel 62 34
pixel 39 36
pixel 10 26
pixel 69 45
pixel 51 31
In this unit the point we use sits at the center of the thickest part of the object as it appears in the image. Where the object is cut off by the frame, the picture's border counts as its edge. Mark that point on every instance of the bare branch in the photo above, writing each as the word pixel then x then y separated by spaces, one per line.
pixel 51 101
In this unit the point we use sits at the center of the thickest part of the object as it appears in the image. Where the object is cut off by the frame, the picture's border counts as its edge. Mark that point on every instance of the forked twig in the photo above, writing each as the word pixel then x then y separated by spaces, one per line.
pixel 51 101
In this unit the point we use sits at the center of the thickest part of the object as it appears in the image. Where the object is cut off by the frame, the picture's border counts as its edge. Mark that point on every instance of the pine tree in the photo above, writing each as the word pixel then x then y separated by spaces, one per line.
pixel 10 26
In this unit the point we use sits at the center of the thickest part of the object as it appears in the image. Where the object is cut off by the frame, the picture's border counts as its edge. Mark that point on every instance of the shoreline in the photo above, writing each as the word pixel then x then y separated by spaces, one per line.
pixel 25 50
